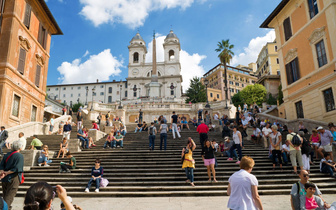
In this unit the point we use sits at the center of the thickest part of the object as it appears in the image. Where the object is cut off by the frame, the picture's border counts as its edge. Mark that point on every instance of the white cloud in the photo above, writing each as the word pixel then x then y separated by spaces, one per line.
pixel 100 66
pixel 86 53
pixel 190 64
pixel 129 12
pixel 252 51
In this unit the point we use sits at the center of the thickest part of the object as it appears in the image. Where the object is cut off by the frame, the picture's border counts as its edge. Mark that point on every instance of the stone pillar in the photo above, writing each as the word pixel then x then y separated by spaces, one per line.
pixel 122 114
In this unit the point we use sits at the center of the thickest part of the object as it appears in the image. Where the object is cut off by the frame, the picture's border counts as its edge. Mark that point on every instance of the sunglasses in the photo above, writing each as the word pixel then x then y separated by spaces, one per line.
pixel 97 162
pixel 305 175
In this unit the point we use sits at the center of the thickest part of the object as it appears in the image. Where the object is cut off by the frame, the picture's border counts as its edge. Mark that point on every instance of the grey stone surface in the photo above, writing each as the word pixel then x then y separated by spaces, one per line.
pixel 170 203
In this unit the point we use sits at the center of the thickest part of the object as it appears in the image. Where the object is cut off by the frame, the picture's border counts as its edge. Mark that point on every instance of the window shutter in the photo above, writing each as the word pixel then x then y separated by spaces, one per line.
pixel 22 61
pixel 289 74
pixel 287 28
pixel 40 35
pixel 297 68
pixel 26 20
pixel 45 38
pixel 37 76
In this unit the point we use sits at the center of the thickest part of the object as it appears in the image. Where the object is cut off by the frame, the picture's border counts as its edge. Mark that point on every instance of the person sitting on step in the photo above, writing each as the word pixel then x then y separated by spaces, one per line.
pixel 139 127
pixel 145 126
pixel 36 143
pixel 227 145
pixel 184 124
pixel 82 136
pixel 44 156
pixel 109 140
pixel 327 165
pixel 72 163
pixel 63 147
pixel 118 140
pixel 96 174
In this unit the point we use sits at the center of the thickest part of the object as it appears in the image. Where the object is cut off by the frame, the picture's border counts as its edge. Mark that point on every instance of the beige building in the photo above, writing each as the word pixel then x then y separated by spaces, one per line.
pixel 25 35
pixel 305 35
pixel 238 78
pixel 268 68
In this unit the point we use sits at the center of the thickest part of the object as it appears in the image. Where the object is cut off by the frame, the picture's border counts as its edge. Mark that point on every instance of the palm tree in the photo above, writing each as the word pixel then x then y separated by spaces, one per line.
pixel 225 56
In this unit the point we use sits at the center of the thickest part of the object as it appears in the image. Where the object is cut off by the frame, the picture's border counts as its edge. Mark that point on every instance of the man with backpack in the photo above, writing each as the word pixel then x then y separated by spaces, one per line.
pixel 295 142
pixel 151 136
pixel 298 191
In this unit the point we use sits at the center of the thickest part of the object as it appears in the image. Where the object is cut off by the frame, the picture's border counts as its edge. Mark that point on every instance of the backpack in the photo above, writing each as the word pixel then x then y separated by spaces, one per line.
pixel 151 130
pixel 306 147
pixel 296 141
pixel 106 116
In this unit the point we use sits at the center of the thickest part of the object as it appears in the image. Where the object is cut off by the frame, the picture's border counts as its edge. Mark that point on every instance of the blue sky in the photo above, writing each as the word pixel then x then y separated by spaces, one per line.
pixel 97 33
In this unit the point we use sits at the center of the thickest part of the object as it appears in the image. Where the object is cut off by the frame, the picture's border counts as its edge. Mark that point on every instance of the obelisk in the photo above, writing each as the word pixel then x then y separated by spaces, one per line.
pixel 154 86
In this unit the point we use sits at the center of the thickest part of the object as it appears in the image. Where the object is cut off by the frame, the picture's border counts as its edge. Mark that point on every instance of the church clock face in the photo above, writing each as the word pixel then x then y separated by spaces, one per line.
pixel 135 71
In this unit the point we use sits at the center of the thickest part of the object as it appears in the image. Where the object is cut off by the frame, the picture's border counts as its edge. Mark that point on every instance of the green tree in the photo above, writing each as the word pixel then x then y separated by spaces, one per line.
pixel 225 56
pixel 237 99
pixel 280 95
pixel 75 107
pixel 254 93
pixel 196 91
pixel 271 100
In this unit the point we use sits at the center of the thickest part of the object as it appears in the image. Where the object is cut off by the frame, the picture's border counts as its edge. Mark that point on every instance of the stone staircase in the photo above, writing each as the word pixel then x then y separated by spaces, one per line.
pixel 134 171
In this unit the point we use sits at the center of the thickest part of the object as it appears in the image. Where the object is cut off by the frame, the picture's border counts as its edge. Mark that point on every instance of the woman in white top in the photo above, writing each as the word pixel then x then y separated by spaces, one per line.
pixel 275 142
pixel 243 188
pixel 238 144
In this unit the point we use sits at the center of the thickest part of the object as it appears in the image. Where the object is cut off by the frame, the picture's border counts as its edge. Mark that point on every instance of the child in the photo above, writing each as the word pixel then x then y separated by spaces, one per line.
pixel 221 148
pixel 44 156
pixel 60 128
pixel 327 166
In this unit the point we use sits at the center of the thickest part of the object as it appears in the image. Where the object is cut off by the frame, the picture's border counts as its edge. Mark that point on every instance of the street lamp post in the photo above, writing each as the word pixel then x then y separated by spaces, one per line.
pixel 93 92
pixel 206 82
pixel 120 86
pixel 87 91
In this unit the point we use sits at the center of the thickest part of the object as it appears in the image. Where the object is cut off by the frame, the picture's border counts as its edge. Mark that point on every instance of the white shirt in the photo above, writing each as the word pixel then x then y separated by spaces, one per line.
pixel 248 118
pixel 215 117
pixel 245 122
pixel 257 132
pixel 266 131
pixel 23 141
pixel 241 193
pixel 284 146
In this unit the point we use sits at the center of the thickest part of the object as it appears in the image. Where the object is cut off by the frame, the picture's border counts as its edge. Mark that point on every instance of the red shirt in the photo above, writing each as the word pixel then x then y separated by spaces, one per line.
pixel 202 128
pixel 95 126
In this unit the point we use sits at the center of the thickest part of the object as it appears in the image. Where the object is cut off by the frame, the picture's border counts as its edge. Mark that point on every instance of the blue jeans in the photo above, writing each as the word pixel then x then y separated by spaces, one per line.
pixel 2 144
pixel 84 142
pixel 285 157
pixel 92 180
pixel 43 159
pixel 228 153
pixel 238 147
pixel 190 173
pixel 116 143
pixel 327 169
pixel 108 143
pixel 151 141
pixel 163 138
pixel 136 129
pixel 123 133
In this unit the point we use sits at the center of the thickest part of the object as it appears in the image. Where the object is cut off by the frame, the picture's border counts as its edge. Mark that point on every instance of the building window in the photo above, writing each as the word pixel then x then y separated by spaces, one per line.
pixel 56 88
pixel 22 61
pixel 110 89
pixel 78 88
pixel 42 36
pixel 321 54
pixel 16 106
pixel 37 75
pixel 217 95
pixel 237 91
pixel 277 60
pixel 101 93
pixel 64 88
pixel 293 71
pixel 56 97
pixel 242 85
pixel 26 20
pixel 276 48
pixel 134 94
pixel 33 114
pixel 70 103
pixel 171 55
pixel 278 72
pixel 135 57
pixel 71 95
pixel 237 84
pixel 287 28
pixel 313 9
pixel 78 94
pixel 266 63
pixel 329 100
pixel 109 99
pixel 118 92
pixel 94 94
pixel 211 95
pixel 125 93
pixel 63 95
pixel 299 109
pixel 102 86
pixel 171 92
pixel 253 81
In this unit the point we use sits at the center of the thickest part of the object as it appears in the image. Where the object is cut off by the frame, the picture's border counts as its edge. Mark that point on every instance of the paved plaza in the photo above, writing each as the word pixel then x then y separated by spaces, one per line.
pixel 171 203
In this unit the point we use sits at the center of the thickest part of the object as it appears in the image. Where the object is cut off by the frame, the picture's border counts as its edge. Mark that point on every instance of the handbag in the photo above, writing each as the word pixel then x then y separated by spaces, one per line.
pixel 103 182
pixel 22 176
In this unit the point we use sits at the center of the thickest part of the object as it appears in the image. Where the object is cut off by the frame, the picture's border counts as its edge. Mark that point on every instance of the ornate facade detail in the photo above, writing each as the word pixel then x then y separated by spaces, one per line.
pixel 24 43
pixel 40 59
pixel 291 54
pixel 317 35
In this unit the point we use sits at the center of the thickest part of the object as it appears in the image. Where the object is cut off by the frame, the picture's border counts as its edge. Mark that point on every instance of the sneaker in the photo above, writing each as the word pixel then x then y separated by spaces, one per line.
pixel 40 164
pixel 46 165
pixel 68 170
pixel 229 159
pixel 87 190
pixel 238 162
pixel 97 190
